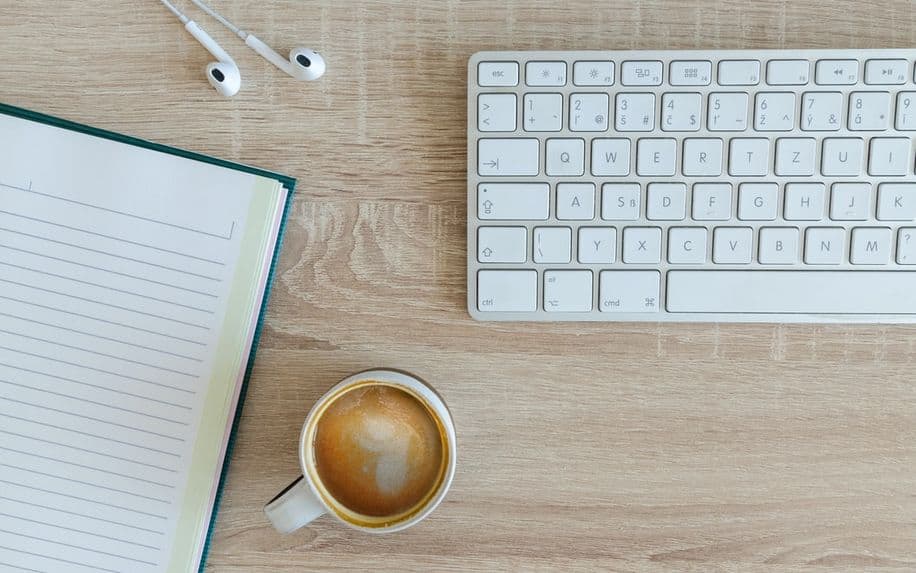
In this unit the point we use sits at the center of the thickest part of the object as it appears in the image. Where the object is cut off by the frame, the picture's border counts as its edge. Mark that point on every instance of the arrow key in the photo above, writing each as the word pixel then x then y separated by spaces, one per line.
pixel 502 244
pixel 568 291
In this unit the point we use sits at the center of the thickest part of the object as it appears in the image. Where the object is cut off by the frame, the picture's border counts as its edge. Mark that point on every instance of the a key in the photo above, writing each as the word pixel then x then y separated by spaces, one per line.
pixel 568 291
pixel 552 244
pixel 906 246
pixel 758 201
pixel 795 156
pixel 897 202
pixel 788 72
pixel 635 73
pixel 702 156
pixel 712 201
pixel 889 156
pixel 885 72
pixel 513 201
pixel 681 112
pixel 804 201
pixel 545 73
pixel 629 291
pixel 597 245
pixel 687 245
pixel 576 201
pixel 690 73
pixel 620 201
pixel 593 73
pixel 870 246
pixel 727 112
pixel 610 157
pixel 836 72
pixel 565 157
pixel 732 245
pixel 642 245
pixel 507 291
pixel 822 111
pixel 543 112
pixel 507 157
pixel 869 111
pixel 906 111
pixel 774 111
pixel 666 201
pixel 842 156
pixel 502 244
pixel 496 112
pixel 497 74
pixel 749 156
pixel 634 112
pixel 850 201
pixel 656 156
pixel 825 245
pixel 739 73
pixel 778 246
pixel 588 112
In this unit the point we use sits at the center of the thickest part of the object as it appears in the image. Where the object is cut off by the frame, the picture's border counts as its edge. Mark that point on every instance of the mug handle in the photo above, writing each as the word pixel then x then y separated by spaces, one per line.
pixel 294 507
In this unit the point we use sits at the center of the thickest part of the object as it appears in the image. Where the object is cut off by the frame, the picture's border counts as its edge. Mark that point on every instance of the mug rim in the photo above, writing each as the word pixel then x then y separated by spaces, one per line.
pixel 434 401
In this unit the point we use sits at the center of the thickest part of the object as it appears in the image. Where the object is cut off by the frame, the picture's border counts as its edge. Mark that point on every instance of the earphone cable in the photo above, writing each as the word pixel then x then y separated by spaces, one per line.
pixel 219 17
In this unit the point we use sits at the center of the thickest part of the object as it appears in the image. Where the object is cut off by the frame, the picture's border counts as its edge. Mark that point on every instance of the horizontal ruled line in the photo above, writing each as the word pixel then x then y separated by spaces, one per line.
pixel 101 421
pixel 21 568
pixel 83 515
pixel 62 544
pixel 121 239
pixel 106 287
pixel 99 535
pixel 108 210
pixel 92 300
pixel 59 560
pixel 90 484
pixel 112 322
pixel 87 467
pixel 78 498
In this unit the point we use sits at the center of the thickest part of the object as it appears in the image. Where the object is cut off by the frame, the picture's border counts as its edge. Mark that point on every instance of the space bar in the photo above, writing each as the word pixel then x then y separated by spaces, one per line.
pixel 792 292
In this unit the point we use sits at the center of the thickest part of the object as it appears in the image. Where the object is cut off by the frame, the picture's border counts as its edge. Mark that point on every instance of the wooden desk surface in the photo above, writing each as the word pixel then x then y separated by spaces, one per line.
pixel 582 447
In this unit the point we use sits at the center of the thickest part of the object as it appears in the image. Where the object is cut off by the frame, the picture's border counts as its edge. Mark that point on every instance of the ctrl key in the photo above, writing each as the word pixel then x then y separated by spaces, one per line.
pixel 629 291
pixel 507 291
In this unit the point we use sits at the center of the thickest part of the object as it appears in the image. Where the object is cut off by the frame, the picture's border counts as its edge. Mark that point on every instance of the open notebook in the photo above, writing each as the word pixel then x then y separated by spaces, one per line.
pixel 132 281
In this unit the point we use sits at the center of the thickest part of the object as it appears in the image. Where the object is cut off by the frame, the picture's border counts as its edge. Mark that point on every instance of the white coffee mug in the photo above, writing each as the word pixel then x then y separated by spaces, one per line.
pixel 304 500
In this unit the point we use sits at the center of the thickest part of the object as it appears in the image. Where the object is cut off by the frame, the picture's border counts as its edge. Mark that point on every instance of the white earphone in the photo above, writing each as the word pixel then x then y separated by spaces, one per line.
pixel 224 76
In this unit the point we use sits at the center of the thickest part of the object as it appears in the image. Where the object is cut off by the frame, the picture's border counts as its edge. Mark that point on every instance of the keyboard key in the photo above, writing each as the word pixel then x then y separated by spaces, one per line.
pixel 889 156
pixel 628 291
pixel 850 201
pixel 497 74
pixel 906 246
pixel 641 73
pixel 681 112
pixel 727 112
pixel 869 111
pixel 804 201
pixel 758 201
pixel 702 156
pixel 897 202
pixel 687 245
pixel 513 201
pixel 506 157
pixel 565 157
pixel 656 156
pixel 502 244
pixel 610 157
pixel 906 111
pixel 568 291
pixel 821 111
pixel 836 72
pixel 620 201
pixel 496 112
pixel 774 111
pixel 588 112
pixel 507 291
pixel 545 73
pixel 795 156
pixel 749 156
pixel 778 246
pixel 593 73
pixel 690 73
pixel 843 156
pixel 788 72
pixel 885 72
pixel 543 112
pixel 870 246
pixel 552 244
pixel 732 245
pixel 825 245
pixel 791 292
pixel 666 201
pixel 739 73
pixel 634 112
pixel 642 245
pixel 576 201
pixel 597 245
pixel 712 201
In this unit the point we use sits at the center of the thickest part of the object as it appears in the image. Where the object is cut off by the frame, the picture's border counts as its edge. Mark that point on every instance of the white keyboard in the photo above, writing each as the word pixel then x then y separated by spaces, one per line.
pixel 752 186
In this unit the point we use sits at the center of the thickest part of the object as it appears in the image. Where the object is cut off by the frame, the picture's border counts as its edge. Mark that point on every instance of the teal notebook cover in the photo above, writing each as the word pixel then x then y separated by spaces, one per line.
pixel 288 183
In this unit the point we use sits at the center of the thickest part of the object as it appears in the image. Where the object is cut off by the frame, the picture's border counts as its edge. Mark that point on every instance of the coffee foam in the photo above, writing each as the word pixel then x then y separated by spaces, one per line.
pixel 378 450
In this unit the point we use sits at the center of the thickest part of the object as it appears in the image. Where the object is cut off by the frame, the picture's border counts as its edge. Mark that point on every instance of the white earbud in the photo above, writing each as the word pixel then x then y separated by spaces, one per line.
pixel 303 63
pixel 222 74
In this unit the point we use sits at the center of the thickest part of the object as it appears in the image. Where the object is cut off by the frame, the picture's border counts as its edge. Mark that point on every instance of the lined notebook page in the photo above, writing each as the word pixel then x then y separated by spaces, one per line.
pixel 117 265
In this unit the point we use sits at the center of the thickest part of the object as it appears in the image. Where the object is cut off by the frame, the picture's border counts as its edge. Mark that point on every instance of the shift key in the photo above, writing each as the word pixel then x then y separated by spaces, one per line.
pixel 506 156
pixel 513 201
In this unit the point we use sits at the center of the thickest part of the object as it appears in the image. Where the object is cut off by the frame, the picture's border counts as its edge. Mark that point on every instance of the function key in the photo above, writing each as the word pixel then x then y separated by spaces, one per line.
pixel 545 73
pixel 690 73
pixel 637 73
pixel 739 73
pixel 788 72
pixel 593 73
pixel 836 72
pixel 885 72
pixel 497 74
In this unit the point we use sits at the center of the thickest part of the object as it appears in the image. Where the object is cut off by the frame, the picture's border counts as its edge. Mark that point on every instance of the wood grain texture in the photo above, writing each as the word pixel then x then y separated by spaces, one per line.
pixel 582 447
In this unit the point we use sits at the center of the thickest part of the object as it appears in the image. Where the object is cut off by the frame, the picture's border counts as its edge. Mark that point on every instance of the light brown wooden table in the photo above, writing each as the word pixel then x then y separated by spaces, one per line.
pixel 617 447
